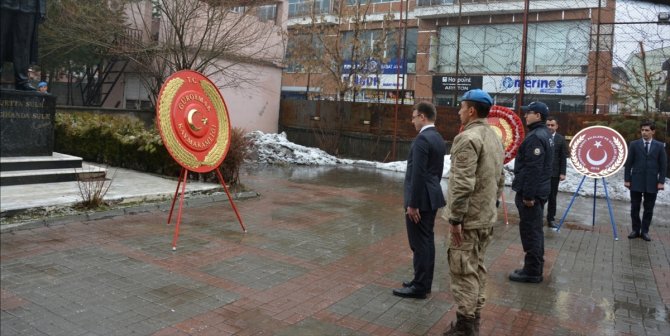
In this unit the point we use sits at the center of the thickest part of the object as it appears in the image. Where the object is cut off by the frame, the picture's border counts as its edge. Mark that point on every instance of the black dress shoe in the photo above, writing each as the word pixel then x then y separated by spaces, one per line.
pixel 522 276
pixel 551 224
pixel 409 292
pixel 633 235
pixel 410 284
pixel 645 236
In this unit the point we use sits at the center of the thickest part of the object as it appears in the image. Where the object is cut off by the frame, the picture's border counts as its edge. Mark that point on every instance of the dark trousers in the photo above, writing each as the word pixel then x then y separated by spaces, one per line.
pixel 422 242
pixel 551 203
pixel 648 204
pixel 16 29
pixel 532 236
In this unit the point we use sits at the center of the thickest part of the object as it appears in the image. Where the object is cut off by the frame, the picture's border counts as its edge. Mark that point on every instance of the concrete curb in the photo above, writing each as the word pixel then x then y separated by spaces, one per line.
pixel 32 218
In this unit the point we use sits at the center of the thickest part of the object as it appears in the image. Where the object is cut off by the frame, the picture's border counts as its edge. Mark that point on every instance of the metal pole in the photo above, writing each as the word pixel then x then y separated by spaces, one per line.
pixel 595 77
pixel 458 51
pixel 524 47
pixel 397 89
pixel 403 51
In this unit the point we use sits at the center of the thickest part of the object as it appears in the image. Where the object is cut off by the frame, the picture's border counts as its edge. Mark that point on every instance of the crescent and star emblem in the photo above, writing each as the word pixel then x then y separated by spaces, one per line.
pixel 596 162
pixel 191 114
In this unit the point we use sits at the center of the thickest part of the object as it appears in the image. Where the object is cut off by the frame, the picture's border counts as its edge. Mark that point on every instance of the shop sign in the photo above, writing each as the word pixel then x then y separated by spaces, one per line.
pixel 442 84
pixel 547 85
pixel 385 82
pixel 373 66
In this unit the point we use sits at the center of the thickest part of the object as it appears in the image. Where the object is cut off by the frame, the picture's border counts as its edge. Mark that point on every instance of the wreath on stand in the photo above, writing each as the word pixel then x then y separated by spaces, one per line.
pixel 510 128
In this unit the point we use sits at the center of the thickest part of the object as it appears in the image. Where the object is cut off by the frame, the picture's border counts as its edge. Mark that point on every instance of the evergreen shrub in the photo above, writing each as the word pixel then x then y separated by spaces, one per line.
pixel 125 141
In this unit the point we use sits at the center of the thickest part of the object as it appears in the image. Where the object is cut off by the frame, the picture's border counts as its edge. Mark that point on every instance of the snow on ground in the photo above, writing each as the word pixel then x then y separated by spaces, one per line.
pixel 276 149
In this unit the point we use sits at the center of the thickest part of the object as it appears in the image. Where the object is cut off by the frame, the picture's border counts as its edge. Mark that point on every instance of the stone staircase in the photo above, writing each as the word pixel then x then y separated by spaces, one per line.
pixel 58 167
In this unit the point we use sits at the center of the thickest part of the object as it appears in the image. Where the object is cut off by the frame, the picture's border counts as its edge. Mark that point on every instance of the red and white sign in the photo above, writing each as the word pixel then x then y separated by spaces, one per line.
pixel 193 121
pixel 598 151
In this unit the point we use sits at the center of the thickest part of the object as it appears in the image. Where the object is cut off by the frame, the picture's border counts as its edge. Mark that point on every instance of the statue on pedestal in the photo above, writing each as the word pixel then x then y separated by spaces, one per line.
pixel 18 36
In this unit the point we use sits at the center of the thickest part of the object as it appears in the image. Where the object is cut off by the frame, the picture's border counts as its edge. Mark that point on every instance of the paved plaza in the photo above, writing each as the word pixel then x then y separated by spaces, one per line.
pixel 324 248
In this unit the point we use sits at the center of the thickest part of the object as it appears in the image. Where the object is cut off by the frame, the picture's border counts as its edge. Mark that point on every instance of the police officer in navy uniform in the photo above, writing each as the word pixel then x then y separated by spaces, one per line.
pixel 532 178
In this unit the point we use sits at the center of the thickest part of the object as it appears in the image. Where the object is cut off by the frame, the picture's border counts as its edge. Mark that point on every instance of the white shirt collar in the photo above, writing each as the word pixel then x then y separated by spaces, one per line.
pixel 426 127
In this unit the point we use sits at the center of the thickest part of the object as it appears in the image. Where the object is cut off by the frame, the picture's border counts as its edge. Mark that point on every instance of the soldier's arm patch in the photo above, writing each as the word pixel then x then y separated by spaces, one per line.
pixel 537 151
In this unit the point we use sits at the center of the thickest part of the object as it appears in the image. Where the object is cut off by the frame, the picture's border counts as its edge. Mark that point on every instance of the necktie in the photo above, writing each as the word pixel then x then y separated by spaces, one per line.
pixel 646 147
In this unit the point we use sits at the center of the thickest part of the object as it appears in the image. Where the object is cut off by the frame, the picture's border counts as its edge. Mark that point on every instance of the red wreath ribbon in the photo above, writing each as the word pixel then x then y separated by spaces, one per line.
pixel 510 128
pixel 504 119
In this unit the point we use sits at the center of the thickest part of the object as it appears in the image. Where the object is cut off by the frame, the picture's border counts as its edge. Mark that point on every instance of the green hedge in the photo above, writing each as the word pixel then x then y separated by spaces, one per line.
pixel 120 141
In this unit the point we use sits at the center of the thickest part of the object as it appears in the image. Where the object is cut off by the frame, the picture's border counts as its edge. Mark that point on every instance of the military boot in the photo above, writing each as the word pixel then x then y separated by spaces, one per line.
pixel 464 327
pixel 478 318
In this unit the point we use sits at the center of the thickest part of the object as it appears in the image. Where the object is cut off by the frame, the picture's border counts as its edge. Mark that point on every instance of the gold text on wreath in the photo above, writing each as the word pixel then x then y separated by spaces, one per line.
pixel 206 143
pixel 192 96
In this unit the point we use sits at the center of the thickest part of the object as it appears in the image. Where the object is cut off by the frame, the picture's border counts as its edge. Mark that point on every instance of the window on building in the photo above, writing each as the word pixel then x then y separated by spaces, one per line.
pixel 391 51
pixel 303 53
pixel 298 8
pixel 267 13
pixel 558 47
pixel 363 2
pixel 425 3
pixel 553 47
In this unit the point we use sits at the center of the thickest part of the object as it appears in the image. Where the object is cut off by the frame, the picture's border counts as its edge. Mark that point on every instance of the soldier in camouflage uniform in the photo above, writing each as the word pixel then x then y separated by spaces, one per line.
pixel 476 181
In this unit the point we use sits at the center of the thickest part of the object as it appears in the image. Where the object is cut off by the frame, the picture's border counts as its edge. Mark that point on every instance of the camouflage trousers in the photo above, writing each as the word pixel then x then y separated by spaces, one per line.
pixel 467 270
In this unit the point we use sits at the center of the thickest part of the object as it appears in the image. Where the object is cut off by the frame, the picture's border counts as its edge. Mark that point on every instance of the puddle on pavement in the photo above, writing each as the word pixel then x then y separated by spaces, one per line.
pixel 375 180
pixel 658 313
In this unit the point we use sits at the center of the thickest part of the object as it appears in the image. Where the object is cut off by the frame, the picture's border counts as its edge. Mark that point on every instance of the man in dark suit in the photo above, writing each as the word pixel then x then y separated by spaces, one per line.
pixel 423 197
pixel 558 168
pixel 644 175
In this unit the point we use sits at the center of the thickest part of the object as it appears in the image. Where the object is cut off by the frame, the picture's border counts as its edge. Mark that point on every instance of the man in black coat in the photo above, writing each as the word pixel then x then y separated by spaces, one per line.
pixel 557 169
pixel 644 175
pixel 18 36
pixel 532 178
pixel 423 197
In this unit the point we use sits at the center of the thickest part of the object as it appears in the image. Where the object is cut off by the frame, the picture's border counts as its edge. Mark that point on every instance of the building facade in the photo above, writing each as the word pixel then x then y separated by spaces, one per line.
pixel 249 82
pixel 449 46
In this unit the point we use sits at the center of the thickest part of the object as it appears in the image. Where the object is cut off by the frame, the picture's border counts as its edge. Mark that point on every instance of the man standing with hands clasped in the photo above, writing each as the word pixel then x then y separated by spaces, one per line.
pixel 475 183
pixel 644 175
pixel 558 169
pixel 532 178
pixel 423 197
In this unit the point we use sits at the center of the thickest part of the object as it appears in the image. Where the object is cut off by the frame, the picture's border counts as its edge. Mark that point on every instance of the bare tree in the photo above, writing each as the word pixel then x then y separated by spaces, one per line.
pixel 78 36
pixel 213 37
pixel 644 89
pixel 642 53
pixel 343 49
pixel 342 45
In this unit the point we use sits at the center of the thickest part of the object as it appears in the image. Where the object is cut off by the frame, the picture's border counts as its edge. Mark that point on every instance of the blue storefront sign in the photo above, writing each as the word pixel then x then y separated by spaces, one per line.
pixel 374 66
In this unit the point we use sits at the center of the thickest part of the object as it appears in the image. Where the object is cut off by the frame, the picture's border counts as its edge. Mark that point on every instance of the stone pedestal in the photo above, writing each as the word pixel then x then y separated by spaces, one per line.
pixel 26 123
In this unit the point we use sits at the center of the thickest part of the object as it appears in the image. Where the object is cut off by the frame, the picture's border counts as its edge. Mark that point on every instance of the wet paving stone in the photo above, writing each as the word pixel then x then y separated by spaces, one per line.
pixel 325 247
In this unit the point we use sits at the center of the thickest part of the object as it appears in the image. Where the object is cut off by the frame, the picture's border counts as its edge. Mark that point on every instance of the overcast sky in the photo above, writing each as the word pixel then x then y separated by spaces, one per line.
pixel 627 36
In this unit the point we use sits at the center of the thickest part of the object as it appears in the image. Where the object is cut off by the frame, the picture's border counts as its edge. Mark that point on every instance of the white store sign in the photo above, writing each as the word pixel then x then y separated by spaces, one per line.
pixel 377 81
pixel 549 85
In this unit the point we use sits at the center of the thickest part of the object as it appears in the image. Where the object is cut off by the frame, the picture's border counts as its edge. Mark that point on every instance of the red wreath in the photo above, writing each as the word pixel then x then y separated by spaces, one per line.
pixel 510 128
